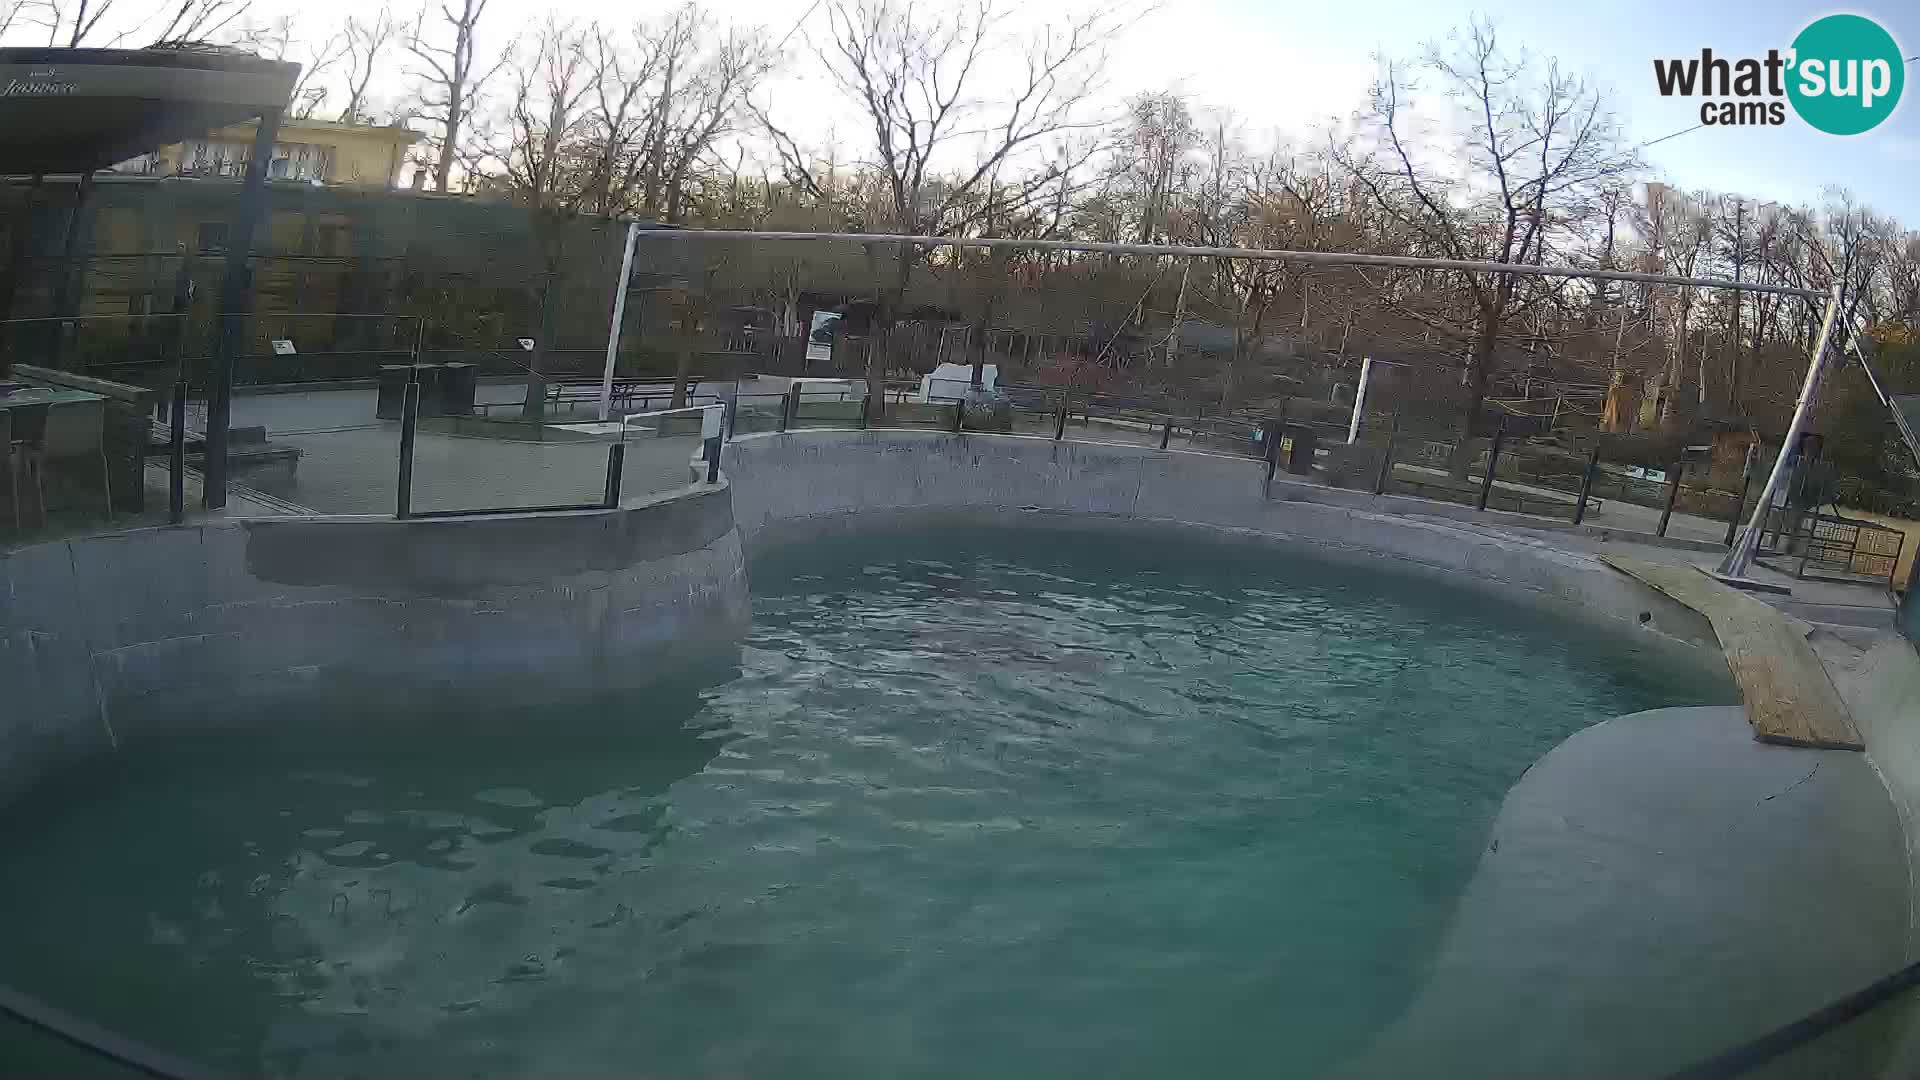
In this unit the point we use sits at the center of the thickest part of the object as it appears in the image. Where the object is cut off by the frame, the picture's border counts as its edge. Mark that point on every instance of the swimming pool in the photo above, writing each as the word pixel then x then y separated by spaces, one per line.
pixel 971 802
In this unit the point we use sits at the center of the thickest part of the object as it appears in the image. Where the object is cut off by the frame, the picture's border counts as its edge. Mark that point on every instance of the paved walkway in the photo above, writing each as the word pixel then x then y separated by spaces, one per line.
pixel 350 460
pixel 356 471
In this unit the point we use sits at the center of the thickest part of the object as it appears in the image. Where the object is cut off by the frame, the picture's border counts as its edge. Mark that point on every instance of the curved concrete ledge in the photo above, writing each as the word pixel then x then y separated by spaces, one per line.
pixel 1879 679
pixel 802 485
pixel 1638 911
pixel 280 621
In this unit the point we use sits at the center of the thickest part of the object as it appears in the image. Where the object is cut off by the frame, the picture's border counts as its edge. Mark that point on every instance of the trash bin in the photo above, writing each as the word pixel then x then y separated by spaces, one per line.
pixel 393 389
pixel 456 388
pixel 1297 449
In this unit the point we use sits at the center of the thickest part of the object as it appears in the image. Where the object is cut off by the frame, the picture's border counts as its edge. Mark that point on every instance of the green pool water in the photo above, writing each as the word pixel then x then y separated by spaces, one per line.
pixel 970 803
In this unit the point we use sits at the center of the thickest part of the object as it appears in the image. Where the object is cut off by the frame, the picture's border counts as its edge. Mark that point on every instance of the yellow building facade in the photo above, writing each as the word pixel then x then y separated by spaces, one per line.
pixel 319 151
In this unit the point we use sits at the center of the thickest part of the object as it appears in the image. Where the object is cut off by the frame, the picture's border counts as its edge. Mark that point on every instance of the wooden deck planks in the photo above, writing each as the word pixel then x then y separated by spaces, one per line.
pixel 1789 697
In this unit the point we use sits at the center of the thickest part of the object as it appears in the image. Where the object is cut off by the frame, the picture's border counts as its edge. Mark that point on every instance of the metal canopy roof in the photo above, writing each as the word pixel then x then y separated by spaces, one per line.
pixel 76 110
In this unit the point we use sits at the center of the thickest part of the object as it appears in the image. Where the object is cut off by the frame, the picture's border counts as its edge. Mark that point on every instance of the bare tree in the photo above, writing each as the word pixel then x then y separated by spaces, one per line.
pixel 1678 230
pixel 1160 132
pixel 199 20
pixel 622 79
pixel 24 13
pixel 365 40
pixel 281 39
pixel 546 116
pixel 918 78
pixel 1536 139
pixel 451 76
pixel 706 109
pixel 75 23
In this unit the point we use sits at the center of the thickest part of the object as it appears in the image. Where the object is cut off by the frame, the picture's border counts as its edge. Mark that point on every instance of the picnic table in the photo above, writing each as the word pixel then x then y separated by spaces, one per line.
pixel 45 395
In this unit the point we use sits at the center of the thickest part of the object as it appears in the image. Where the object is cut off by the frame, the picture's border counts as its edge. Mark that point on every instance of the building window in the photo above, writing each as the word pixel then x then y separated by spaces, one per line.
pixel 203 157
pixel 301 161
pixel 213 236
pixel 144 165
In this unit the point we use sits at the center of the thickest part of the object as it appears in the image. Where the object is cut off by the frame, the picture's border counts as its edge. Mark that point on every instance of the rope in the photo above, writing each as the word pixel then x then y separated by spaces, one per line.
pixel 1758 1052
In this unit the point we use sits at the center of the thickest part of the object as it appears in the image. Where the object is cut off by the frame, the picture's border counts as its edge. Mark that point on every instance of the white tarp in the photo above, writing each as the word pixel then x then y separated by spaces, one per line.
pixel 949 381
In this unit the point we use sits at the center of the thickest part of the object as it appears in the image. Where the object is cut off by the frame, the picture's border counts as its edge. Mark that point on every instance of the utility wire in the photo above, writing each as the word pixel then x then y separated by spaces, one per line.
pixel 797 23
pixel 1664 138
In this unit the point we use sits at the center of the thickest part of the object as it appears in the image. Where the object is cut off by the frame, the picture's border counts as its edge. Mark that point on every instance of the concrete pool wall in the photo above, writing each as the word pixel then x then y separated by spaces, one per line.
pixel 106 638
pixel 804 485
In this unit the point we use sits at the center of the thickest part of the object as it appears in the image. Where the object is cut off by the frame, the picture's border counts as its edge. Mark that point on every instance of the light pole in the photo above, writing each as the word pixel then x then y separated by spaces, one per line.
pixel 1733 569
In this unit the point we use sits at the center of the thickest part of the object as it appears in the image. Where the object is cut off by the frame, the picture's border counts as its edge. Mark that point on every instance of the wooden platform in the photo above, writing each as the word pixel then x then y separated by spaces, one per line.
pixel 1789 698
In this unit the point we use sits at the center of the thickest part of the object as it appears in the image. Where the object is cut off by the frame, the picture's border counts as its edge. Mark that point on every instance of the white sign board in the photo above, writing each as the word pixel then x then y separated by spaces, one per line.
pixel 282 347
pixel 820 337
pixel 710 423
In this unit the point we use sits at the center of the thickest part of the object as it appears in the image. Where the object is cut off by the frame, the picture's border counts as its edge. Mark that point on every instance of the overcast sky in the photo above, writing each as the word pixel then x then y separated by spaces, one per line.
pixel 1288 68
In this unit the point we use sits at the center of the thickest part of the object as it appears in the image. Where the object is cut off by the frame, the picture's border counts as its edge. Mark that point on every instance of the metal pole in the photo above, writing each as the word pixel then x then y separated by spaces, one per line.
pixel 1586 483
pixel 65 301
pixel 786 408
pixel 236 302
pixel 1738 560
pixel 1386 457
pixel 1740 501
pixel 1359 399
pixel 1273 436
pixel 1316 258
pixel 619 317
pixel 1060 421
pixel 959 416
pixel 713 461
pixel 1166 432
pixel 177 412
pixel 409 418
pixel 177 452
pixel 616 464
pixel 1673 494
pixel 1493 460
pixel 17 255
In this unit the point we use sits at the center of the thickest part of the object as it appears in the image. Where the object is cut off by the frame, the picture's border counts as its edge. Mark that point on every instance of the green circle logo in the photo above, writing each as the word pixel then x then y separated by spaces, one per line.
pixel 1846 74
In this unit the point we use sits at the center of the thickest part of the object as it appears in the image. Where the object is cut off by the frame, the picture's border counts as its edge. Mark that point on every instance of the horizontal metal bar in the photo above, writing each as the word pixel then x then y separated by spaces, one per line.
pixel 1322 258
pixel 217 315
pixel 627 419
pixel 418 514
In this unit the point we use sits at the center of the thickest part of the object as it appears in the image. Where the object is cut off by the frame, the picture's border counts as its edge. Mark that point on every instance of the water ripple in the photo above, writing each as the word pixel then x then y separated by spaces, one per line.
pixel 972 805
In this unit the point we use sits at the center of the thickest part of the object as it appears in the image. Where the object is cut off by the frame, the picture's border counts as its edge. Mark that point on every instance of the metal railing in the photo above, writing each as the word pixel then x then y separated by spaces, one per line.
pixel 1596 484
pixel 478 473
pixel 709 422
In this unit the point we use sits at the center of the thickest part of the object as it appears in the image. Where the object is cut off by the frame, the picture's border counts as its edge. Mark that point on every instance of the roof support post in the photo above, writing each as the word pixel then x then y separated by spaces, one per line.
pixel 236 303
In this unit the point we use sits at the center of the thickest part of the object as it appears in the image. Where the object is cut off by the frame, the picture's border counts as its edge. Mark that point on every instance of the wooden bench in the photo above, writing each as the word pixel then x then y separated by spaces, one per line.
pixel 647 394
